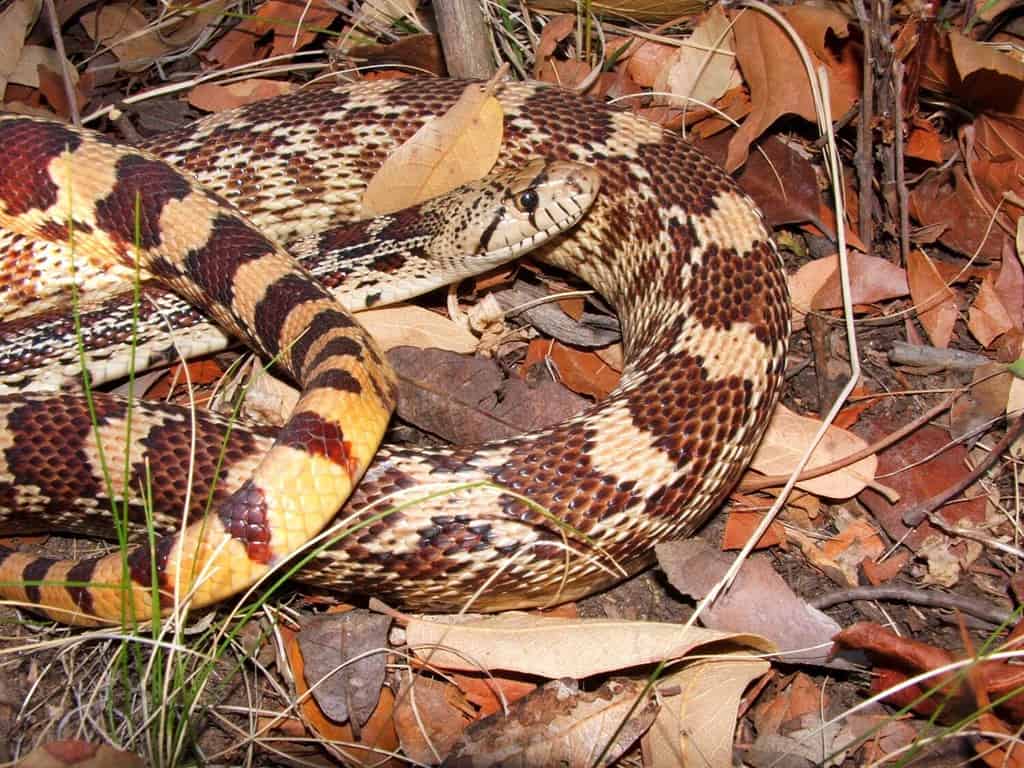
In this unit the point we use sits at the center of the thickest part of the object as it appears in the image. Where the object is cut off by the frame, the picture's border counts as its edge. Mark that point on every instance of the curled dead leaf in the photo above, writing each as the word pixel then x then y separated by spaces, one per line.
pixel 788 436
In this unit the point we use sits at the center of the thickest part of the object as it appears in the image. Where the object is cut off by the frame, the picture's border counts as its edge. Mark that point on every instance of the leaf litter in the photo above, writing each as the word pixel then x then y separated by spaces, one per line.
pixel 934 208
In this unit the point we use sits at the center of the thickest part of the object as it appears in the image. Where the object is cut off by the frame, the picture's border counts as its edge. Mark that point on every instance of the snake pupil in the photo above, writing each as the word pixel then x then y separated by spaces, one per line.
pixel 527 201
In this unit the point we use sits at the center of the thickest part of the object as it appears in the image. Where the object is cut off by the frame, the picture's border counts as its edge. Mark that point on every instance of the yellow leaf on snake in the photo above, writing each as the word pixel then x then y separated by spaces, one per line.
pixel 455 148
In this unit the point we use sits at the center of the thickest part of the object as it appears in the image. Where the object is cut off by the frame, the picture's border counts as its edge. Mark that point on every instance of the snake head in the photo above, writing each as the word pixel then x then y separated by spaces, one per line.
pixel 507 213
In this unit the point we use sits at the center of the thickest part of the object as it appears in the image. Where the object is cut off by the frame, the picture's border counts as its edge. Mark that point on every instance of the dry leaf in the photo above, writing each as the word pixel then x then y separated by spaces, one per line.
pixel 278 19
pixel 840 556
pixel 759 601
pixel 79 754
pixel 574 648
pixel 1009 286
pixel 631 10
pixel 427 721
pixel 987 317
pixel 32 58
pixel 777 79
pixel 703 67
pixel 582 372
pixel 554 32
pixel 16 19
pixel 990 77
pixel 696 725
pixel 489 692
pixel 816 284
pixel 409 325
pixel 214 97
pixel 127 32
pixel 377 735
pixel 789 435
pixel 452 149
pixel 934 301
pixel 826 32
pixel 344 657
pixel 468 400
pixel 740 526
pixel 558 725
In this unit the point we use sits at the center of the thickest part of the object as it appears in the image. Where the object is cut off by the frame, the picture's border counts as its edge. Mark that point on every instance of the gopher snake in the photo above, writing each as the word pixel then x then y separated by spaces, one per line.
pixel 681 255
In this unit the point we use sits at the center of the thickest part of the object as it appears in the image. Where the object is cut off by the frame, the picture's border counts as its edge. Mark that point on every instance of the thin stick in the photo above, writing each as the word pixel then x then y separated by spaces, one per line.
pixel 917 513
pixel 914 596
pixel 65 76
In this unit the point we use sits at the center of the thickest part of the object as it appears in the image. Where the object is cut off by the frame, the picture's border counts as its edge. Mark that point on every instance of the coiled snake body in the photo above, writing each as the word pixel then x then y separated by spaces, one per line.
pixel 671 243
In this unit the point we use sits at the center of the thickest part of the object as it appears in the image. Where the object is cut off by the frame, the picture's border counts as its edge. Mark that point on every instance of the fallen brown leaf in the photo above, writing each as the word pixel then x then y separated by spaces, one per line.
pixel 559 725
pixel 740 526
pixel 778 82
pixel 703 67
pixel 759 601
pixel 126 30
pixel 582 372
pixel 898 658
pixel 784 185
pixel 16 19
pixel 290 24
pixel 467 400
pixel 344 657
pixel 934 301
pixel 73 753
pixel 491 693
pixel 816 284
pixel 427 721
pixel 214 97
pixel 376 736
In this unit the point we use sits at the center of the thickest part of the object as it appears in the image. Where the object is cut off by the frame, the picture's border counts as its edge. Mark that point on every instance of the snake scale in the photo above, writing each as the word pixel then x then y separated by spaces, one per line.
pixel 682 256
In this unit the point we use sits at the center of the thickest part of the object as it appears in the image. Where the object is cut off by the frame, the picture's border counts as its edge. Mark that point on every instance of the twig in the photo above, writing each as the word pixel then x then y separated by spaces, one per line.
pixel 58 45
pixel 770 481
pixel 916 596
pixel 921 356
pixel 863 158
pixel 918 512
pixel 901 183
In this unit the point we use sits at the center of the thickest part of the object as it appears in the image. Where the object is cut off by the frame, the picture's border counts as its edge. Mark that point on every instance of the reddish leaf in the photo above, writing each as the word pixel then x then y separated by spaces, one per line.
pixel 934 301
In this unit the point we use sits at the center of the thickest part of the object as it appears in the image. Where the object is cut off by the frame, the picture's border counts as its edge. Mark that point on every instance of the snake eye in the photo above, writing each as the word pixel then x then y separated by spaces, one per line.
pixel 527 201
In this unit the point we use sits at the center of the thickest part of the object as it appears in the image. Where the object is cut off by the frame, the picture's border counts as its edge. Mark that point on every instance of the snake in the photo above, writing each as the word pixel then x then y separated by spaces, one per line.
pixel 679 252
pixel 364 263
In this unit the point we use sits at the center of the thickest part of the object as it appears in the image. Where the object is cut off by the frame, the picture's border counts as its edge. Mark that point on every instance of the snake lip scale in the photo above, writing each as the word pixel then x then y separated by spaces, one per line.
pixel 681 254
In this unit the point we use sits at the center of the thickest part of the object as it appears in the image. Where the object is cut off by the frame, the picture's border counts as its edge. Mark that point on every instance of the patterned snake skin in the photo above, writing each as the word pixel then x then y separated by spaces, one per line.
pixel 671 243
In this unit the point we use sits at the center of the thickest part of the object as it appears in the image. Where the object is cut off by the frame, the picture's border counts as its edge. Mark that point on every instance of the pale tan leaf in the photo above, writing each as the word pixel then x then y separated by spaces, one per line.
pixel 704 66
pixel 934 301
pixel 409 325
pixel 455 148
pixel 32 58
pixel 386 12
pixel 787 438
pixel 16 20
pixel 696 725
pixel 971 56
pixel 127 31
pixel 559 725
pixel 574 648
